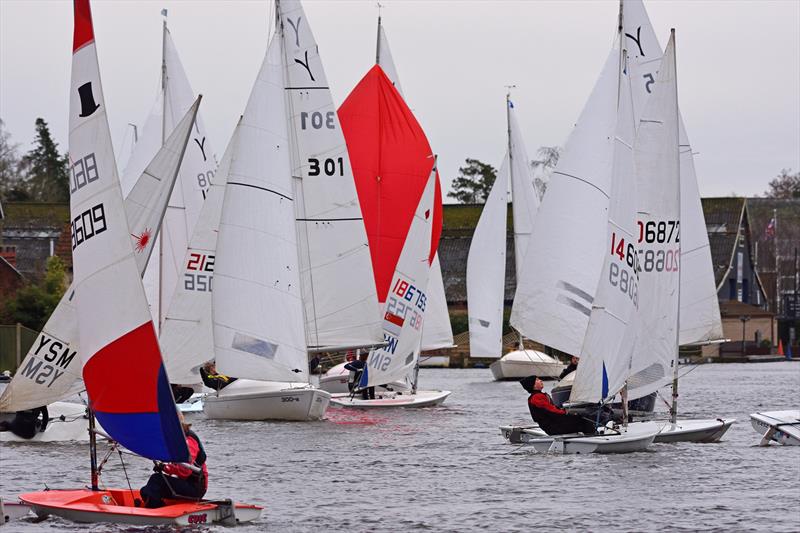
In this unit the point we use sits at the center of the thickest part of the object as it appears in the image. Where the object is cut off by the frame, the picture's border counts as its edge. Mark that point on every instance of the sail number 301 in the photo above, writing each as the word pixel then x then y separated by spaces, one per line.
pixel 330 167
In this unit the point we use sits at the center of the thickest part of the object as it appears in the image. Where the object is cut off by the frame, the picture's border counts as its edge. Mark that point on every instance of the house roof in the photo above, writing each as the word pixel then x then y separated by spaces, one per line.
pixel 35 215
pixel 734 308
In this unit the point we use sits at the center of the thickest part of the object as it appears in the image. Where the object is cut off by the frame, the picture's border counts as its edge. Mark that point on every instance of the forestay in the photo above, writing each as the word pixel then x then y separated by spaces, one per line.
pixel 700 318
pixel 196 173
pixel 608 345
pixel 341 301
pixel 115 329
pixel 49 371
pixel 556 289
pixel 658 188
pixel 257 299
pixel 187 338
pixel 405 305
pixel 486 272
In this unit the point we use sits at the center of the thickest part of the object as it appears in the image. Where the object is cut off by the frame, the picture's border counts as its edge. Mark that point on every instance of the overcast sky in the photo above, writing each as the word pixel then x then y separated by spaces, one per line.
pixel 738 70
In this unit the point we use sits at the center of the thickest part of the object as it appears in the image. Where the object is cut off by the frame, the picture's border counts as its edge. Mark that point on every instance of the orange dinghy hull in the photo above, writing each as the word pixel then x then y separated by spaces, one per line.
pixel 117 505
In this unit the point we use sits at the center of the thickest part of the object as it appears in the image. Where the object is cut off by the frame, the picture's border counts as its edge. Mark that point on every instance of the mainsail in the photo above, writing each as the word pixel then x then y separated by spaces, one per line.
pixel 49 372
pixel 560 276
pixel 700 318
pixel 196 174
pixel 257 298
pixel 335 268
pixel 404 311
pixel 116 332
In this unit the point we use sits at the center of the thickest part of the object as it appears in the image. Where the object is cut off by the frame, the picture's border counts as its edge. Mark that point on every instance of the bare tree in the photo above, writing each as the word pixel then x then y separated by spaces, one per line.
pixel 785 185
pixel 543 167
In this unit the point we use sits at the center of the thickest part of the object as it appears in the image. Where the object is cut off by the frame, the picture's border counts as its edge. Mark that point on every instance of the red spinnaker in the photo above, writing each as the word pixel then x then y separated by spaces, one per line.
pixel 391 160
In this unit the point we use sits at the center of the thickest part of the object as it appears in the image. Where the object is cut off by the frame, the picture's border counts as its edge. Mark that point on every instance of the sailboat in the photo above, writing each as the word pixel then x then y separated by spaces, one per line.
pixel 197 171
pixel 581 287
pixel 486 263
pixel 782 427
pixel 116 333
pixel 391 160
pixel 292 252
pixel 50 371
pixel 403 320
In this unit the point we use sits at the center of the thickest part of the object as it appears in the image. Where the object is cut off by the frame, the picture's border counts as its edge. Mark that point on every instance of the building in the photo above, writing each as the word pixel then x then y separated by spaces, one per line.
pixel 31 232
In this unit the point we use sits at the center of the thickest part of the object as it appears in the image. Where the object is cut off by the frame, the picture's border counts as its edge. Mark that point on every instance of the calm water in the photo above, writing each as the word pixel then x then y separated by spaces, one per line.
pixel 448 469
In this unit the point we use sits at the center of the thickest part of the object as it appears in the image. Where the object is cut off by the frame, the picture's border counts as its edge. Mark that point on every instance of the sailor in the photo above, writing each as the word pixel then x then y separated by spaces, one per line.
pixel 177 480
pixel 26 424
pixel 213 380
pixel 181 393
pixel 553 420
pixel 571 367
pixel 356 369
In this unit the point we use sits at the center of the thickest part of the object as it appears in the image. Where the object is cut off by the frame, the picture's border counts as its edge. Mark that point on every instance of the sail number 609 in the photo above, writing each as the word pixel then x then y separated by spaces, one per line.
pixel 331 167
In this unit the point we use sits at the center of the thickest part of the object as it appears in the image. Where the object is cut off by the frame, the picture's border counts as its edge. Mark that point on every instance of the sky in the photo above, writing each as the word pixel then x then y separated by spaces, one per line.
pixel 738 70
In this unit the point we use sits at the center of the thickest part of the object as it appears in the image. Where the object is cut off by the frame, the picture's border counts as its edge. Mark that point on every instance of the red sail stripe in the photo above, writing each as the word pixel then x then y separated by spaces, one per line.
pixel 122 377
pixel 391 160
pixel 394 319
pixel 84 32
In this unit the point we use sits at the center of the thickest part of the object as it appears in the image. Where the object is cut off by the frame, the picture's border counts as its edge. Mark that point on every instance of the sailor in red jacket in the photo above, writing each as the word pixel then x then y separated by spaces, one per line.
pixel 176 480
pixel 553 420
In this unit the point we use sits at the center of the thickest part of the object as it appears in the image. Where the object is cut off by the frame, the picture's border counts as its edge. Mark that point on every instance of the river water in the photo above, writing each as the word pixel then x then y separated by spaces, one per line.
pixel 448 468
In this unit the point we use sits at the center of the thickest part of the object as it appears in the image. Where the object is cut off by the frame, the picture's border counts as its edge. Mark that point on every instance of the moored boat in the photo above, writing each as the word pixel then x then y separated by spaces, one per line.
pixel 523 363
pixel 389 399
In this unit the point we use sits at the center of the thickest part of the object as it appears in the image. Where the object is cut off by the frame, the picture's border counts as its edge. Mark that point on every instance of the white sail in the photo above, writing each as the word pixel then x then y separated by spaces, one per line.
pixel 700 318
pixel 406 302
pixel 608 345
pixel 525 199
pixel 197 172
pixel 49 372
pixel 486 272
pixel 658 188
pixel 557 285
pixel 257 299
pixel 437 332
pixel 186 338
pixel 336 273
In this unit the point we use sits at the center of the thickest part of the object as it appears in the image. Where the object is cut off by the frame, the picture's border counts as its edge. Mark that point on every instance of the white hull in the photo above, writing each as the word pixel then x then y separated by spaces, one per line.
pixel 521 364
pixel 521 434
pixel 247 399
pixel 434 361
pixel 12 511
pixel 635 439
pixel 335 381
pixel 710 430
pixel 422 398
pixel 74 427
pixel 782 427
pixel 193 404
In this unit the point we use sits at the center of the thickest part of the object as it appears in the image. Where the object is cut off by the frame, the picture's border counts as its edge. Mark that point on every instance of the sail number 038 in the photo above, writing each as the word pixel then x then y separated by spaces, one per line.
pixel 330 167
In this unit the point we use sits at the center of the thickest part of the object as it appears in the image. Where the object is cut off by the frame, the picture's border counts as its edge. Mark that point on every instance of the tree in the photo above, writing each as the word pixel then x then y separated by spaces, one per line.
pixel 785 185
pixel 12 187
pixel 473 183
pixel 548 159
pixel 34 303
pixel 47 171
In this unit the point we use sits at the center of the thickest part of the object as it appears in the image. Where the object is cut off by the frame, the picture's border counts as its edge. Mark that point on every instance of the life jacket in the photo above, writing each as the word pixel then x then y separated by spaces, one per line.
pixel 549 422
pixel 200 460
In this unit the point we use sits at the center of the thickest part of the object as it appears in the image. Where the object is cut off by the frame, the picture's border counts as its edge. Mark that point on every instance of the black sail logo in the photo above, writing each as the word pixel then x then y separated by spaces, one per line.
pixel 88 105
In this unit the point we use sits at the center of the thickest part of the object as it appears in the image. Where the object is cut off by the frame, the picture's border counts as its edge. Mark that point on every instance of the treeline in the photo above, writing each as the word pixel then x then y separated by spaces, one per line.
pixel 41 175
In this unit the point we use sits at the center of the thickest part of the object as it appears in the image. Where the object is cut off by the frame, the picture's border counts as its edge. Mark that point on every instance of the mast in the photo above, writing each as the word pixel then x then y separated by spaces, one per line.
pixel 673 409
pixel 378 38
pixel 163 137
pixel 93 450
pixel 511 179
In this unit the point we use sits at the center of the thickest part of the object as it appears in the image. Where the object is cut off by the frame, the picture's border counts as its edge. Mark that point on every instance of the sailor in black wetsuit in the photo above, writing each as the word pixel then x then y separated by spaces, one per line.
pixel 213 380
pixel 26 424
pixel 553 420
pixel 571 367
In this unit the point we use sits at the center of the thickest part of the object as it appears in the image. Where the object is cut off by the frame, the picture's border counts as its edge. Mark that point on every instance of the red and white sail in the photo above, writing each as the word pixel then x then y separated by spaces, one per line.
pixel 115 329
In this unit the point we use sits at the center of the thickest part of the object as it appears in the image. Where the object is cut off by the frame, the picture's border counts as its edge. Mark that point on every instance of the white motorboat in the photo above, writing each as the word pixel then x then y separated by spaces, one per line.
pixel 616 439
pixel 68 423
pixel 782 427
pixel 710 430
pixel 523 363
pixel 388 399
pixel 247 399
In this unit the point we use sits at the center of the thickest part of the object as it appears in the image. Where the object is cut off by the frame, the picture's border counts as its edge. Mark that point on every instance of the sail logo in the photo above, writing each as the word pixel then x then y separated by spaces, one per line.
pixel 86 95
pixel 49 361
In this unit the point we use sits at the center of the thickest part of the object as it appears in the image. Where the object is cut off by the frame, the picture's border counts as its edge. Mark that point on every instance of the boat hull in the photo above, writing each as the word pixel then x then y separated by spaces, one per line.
pixel 521 434
pixel 630 440
pixel 117 506
pixel 782 427
pixel 710 430
pixel 12 511
pixel 521 364
pixel 423 398
pixel 267 400
pixel 73 428
pixel 335 381
pixel 193 404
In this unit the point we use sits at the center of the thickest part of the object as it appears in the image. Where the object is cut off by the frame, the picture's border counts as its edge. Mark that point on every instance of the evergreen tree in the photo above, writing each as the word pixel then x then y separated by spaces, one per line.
pixel 473 183
pixel 47 171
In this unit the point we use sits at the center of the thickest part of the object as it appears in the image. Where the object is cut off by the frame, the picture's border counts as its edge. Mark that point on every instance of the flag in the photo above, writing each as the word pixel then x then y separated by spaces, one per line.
pixel 769 232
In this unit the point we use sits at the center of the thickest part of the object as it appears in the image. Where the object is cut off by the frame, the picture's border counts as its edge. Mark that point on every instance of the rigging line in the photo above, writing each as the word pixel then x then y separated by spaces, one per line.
pixel 125 472
pixel 328 219
pixel 261 189
pixel 303 88
pixel 584 181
